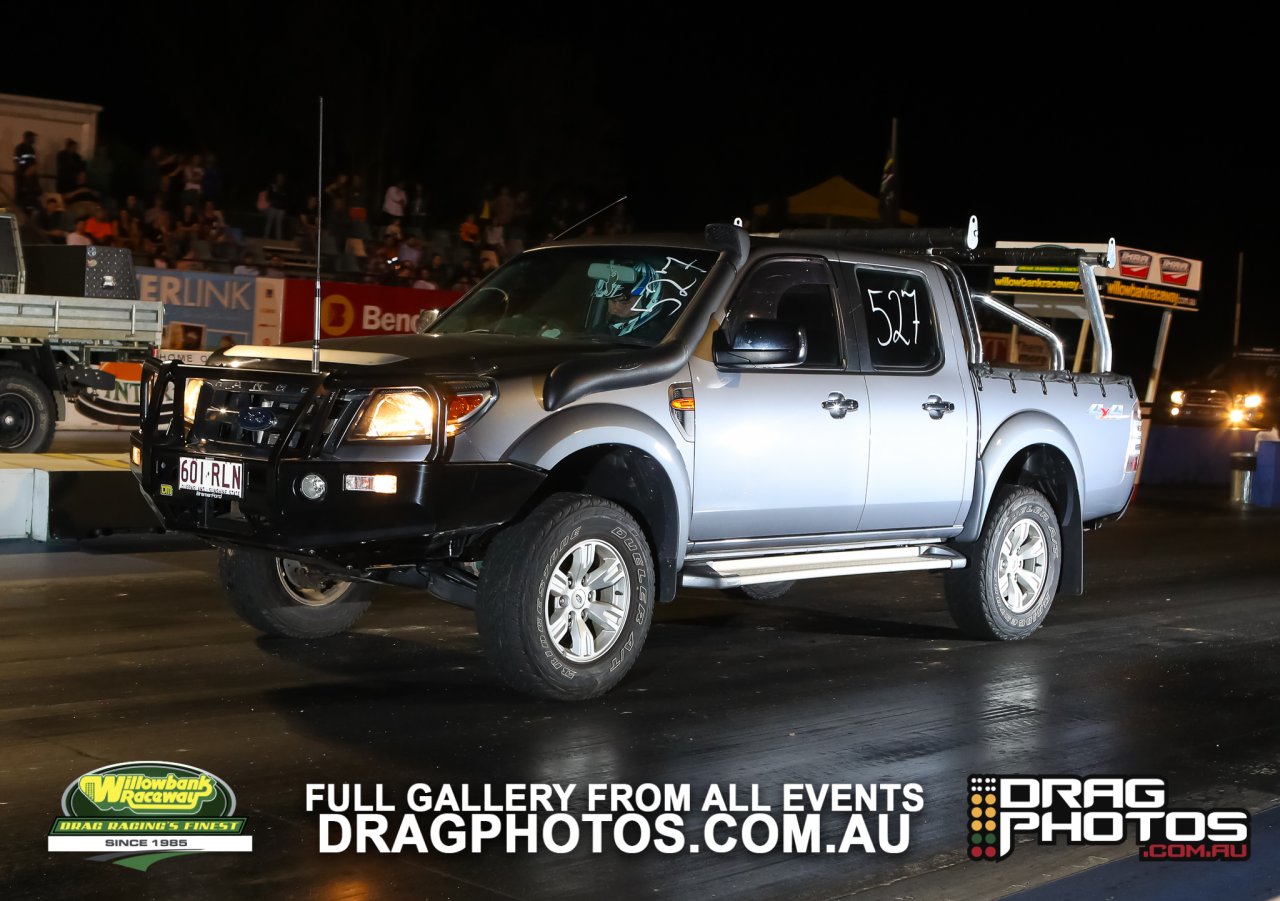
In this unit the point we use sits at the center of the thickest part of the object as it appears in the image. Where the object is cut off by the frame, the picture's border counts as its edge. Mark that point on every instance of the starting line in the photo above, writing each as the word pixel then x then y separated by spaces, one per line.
pixel 49 496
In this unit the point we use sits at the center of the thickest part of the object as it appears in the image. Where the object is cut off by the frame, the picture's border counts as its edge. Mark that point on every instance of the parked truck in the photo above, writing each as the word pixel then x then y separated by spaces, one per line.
pixel 604 421
pixel 53 348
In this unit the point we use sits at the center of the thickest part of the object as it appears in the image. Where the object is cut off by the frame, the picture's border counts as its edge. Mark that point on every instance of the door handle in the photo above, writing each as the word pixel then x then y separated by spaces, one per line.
pixel 837 405
pixel 935 406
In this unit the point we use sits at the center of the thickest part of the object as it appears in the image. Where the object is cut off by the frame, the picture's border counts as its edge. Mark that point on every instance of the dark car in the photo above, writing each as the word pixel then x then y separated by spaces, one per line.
pixel 1242 392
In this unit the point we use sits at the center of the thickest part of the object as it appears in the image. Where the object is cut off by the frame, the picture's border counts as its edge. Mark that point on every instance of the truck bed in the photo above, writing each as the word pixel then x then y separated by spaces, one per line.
pixel 45 318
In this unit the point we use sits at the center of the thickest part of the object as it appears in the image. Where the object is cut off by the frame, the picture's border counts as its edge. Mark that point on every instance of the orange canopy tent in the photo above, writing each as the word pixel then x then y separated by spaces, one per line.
pixel 835 198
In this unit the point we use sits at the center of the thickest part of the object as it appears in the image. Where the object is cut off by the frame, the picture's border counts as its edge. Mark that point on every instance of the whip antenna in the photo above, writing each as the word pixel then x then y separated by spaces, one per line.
pixel 315 339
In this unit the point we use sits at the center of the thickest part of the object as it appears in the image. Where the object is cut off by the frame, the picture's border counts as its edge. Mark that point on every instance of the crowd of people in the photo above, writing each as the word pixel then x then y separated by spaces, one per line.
pixel 393 238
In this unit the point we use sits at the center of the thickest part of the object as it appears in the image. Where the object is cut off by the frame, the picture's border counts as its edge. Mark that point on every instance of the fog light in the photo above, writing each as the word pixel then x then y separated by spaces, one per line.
pixel 312 487
pixel 135 454
pixel 1236 416
pixel 1174 411
pixel 379 484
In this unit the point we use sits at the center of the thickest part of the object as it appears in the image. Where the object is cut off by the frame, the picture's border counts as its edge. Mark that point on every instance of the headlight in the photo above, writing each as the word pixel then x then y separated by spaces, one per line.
pixel 1253 400
pixel 403 415
pixel 190 397
pixel 1177 397
pixel 1235 416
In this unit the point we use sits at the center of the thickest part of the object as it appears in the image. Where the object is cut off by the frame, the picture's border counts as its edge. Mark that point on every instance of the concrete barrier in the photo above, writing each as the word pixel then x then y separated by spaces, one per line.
pixel 50 496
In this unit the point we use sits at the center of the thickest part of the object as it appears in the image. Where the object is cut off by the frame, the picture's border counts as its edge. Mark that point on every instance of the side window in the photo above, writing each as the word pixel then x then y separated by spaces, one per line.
pixel 901 331
pixel 798 291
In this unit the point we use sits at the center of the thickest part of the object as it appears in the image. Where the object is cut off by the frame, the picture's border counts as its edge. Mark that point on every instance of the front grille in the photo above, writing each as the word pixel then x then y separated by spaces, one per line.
pixel 1206 398
pixel 256 418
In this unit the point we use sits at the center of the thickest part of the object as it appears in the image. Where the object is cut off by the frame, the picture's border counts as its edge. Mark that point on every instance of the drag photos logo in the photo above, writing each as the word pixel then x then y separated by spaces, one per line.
pixel 138 813
pixel 1098 810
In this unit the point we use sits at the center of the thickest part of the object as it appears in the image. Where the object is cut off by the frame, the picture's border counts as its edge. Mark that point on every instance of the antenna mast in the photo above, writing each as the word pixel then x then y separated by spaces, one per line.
pixel 315 339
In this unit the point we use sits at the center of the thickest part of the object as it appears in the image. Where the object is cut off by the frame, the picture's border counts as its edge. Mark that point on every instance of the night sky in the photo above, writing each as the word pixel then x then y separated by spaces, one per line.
pixel 1137 132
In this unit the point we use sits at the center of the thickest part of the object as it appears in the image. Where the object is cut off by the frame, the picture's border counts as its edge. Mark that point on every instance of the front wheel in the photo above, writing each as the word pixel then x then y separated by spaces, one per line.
pixel 289 599
pixel 1009 585
pixel 566 598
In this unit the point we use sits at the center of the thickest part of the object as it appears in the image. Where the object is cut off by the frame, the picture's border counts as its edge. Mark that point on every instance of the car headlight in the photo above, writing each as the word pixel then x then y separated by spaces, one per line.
pixel 1253 400
pixel 398 415
pixel 191 397
pixel 1177 397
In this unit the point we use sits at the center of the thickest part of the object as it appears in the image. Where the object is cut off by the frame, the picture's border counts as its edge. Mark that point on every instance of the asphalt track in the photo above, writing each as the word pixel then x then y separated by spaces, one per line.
pixel 123 648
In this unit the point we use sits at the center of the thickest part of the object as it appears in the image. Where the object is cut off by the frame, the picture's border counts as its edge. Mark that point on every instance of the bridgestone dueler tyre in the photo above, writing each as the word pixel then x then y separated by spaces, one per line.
pixel 1009 585
pixel 762 591
pixel 28 414
pixel 287 600
pixel 566 597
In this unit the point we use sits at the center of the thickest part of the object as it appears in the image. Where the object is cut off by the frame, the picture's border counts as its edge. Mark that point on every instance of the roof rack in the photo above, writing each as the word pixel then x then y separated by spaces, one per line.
pixel 916 239
pixel 960 246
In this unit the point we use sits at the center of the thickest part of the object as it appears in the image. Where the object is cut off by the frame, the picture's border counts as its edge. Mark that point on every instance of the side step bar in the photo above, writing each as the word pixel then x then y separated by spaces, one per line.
pixel 754 570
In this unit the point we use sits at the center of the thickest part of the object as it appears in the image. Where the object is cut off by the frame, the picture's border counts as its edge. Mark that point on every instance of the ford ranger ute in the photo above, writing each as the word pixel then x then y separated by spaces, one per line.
pixel 605 420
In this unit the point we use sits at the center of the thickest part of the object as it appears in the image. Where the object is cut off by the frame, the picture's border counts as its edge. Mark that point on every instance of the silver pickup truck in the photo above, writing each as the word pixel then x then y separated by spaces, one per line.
pixel 603 421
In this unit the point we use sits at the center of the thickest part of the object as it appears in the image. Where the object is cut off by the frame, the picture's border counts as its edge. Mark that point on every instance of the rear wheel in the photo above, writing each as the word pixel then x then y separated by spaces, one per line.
pixel 1009 585
pixel 289 599
pixel 27 413
pixel 566 598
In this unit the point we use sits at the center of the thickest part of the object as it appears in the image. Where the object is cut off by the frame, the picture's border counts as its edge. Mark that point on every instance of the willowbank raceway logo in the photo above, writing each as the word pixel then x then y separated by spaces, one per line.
pixel 139 813
pixel 1098 810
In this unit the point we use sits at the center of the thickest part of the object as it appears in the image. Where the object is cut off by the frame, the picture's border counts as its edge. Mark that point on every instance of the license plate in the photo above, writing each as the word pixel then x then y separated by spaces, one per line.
pixel 211 478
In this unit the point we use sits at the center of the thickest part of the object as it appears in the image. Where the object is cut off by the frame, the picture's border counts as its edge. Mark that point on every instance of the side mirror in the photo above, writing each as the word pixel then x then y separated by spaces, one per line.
pixel 766 343
pixel 426 319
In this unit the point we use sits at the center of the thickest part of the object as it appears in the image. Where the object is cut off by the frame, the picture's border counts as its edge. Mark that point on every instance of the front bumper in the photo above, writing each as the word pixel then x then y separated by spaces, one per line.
pixel 436 507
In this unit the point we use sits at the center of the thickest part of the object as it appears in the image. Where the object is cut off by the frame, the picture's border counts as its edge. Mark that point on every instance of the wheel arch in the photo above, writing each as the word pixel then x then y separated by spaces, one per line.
pixel 623 456
pixel 1036 450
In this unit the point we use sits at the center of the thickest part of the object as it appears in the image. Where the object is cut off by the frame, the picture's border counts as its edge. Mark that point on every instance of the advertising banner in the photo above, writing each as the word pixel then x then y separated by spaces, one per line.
pixel 203 310
pixel 1140 276
pixel 350 310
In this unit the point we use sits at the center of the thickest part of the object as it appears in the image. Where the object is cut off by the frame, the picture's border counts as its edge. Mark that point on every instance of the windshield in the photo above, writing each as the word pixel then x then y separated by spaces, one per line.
pixel 623 295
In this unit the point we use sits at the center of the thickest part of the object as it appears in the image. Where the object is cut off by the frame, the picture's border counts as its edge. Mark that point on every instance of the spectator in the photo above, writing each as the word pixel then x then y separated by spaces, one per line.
pixel 503 207
pixel 27 195
pixel 80 237
pixel 468 231
pixel 356 204
pixel 308 223
pixel 190 261
pixel 156 232
pixel 193 180
pixel 494 234
pixel 276 201
pixel 132 208
pixel 23 155
pixel 211 183
pixel 339 221
pixel 187 228
pixel 275 269
pixel 81 193
pixel 52 221
pixel 336 191
pixel 424 281
pixel 411 251
pixel 246 266
pixel 418 209
pixel 128 232
pixel 488 261
pixel 100 227
pixel 393 202
pixel 393 230
pixel 101 169
pixel 156 211
pixel 151 172
pixel 70 164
